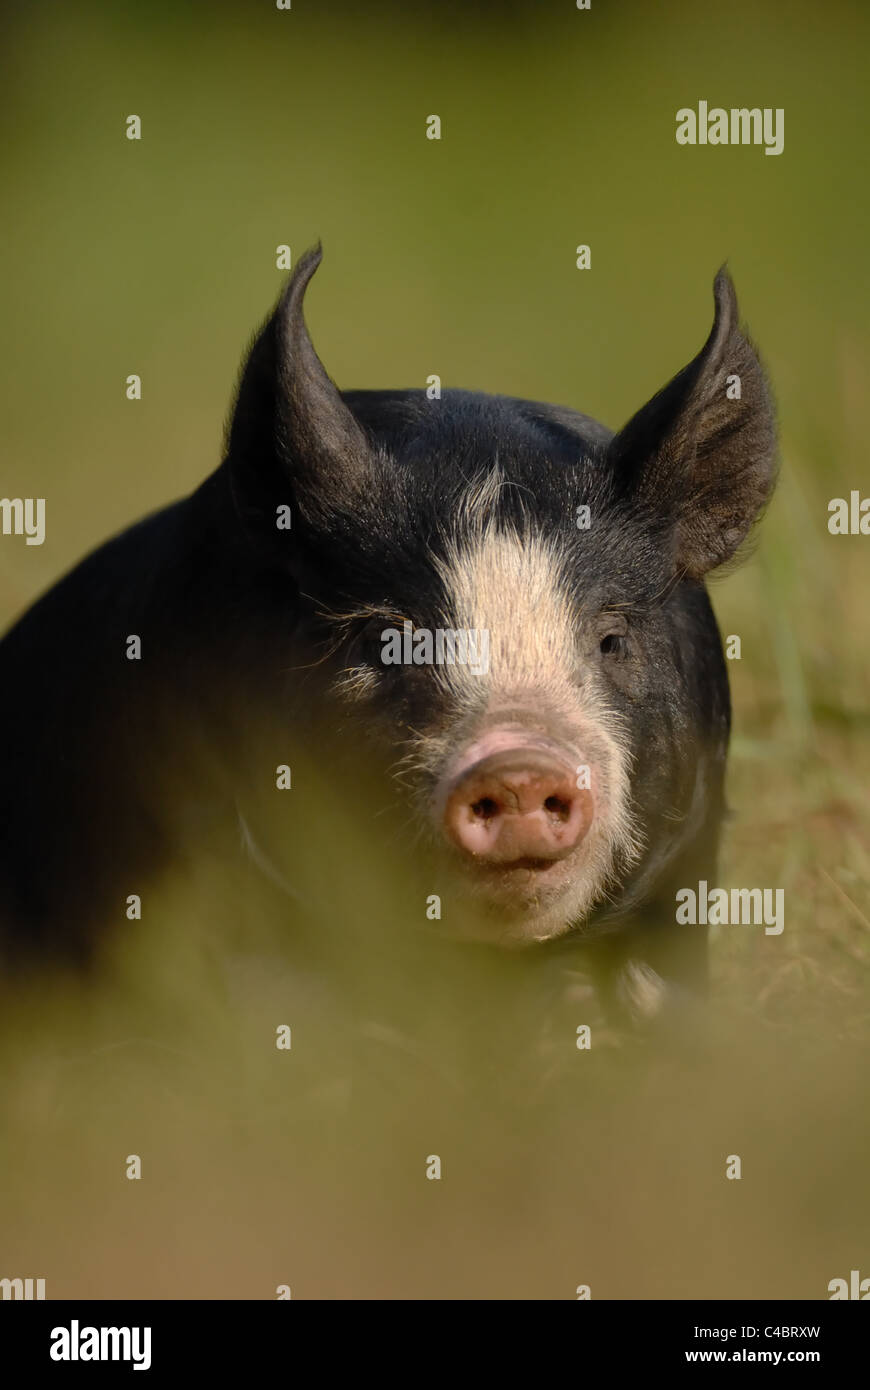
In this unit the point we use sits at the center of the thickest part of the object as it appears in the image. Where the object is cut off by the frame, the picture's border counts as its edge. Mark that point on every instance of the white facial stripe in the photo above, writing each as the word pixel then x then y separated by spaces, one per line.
pixel 511 585
pixel 507 585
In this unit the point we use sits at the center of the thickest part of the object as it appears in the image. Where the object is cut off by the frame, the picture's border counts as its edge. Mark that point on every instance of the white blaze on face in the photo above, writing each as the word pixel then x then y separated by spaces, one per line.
pixel 512 586
pixel 508 587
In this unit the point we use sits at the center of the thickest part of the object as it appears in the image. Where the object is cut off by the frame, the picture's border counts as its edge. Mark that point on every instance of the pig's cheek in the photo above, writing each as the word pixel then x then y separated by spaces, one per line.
pixel 625 675
pixel 356 685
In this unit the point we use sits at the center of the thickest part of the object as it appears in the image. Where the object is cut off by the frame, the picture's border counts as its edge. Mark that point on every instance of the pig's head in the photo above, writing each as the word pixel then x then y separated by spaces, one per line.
pixel 507 601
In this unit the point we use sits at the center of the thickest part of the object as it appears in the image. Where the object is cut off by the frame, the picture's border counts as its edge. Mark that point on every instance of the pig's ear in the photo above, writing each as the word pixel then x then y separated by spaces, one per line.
pixel 702 453
pixel 288 412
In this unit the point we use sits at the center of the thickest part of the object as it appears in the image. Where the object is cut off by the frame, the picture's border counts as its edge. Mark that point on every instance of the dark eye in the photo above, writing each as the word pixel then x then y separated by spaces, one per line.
pixel 612 630
pixel 368 642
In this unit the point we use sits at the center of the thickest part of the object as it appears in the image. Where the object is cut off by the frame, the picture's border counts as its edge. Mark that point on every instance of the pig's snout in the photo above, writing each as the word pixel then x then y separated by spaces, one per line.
pixel 518 807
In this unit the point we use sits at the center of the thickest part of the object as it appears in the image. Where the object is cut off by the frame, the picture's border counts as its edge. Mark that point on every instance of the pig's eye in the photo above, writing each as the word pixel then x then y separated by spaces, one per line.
pixel 368 641
pixel 612 636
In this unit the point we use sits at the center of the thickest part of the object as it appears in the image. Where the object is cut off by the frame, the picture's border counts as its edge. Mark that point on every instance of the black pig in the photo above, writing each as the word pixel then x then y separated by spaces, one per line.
pixel 556 754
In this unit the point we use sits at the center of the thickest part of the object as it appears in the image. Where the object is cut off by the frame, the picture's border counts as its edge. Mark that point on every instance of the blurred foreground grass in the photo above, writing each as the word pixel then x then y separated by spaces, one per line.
pixel 307 1167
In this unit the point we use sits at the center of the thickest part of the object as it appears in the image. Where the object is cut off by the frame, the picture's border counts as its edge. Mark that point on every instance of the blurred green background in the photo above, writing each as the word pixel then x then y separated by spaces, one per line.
pixel 157 257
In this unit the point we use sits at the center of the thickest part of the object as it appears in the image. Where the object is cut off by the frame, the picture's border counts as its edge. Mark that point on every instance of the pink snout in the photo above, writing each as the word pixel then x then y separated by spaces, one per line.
pixel 519 806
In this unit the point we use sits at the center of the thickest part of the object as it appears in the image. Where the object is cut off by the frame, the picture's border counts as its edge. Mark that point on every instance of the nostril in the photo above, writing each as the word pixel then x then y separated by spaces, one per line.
pixel 485 808
pixel 558 807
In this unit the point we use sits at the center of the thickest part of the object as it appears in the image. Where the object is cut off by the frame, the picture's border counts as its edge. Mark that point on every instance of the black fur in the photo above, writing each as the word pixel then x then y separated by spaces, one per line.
pixel 114 768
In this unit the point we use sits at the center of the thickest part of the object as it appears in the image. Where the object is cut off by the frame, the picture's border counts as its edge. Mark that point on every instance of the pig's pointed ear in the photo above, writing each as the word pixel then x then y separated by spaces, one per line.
pixel 288 411
pixel 702 453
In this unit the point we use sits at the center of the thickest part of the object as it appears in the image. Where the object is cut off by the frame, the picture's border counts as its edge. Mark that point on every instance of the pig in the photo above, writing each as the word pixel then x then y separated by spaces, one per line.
pixel 489 612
